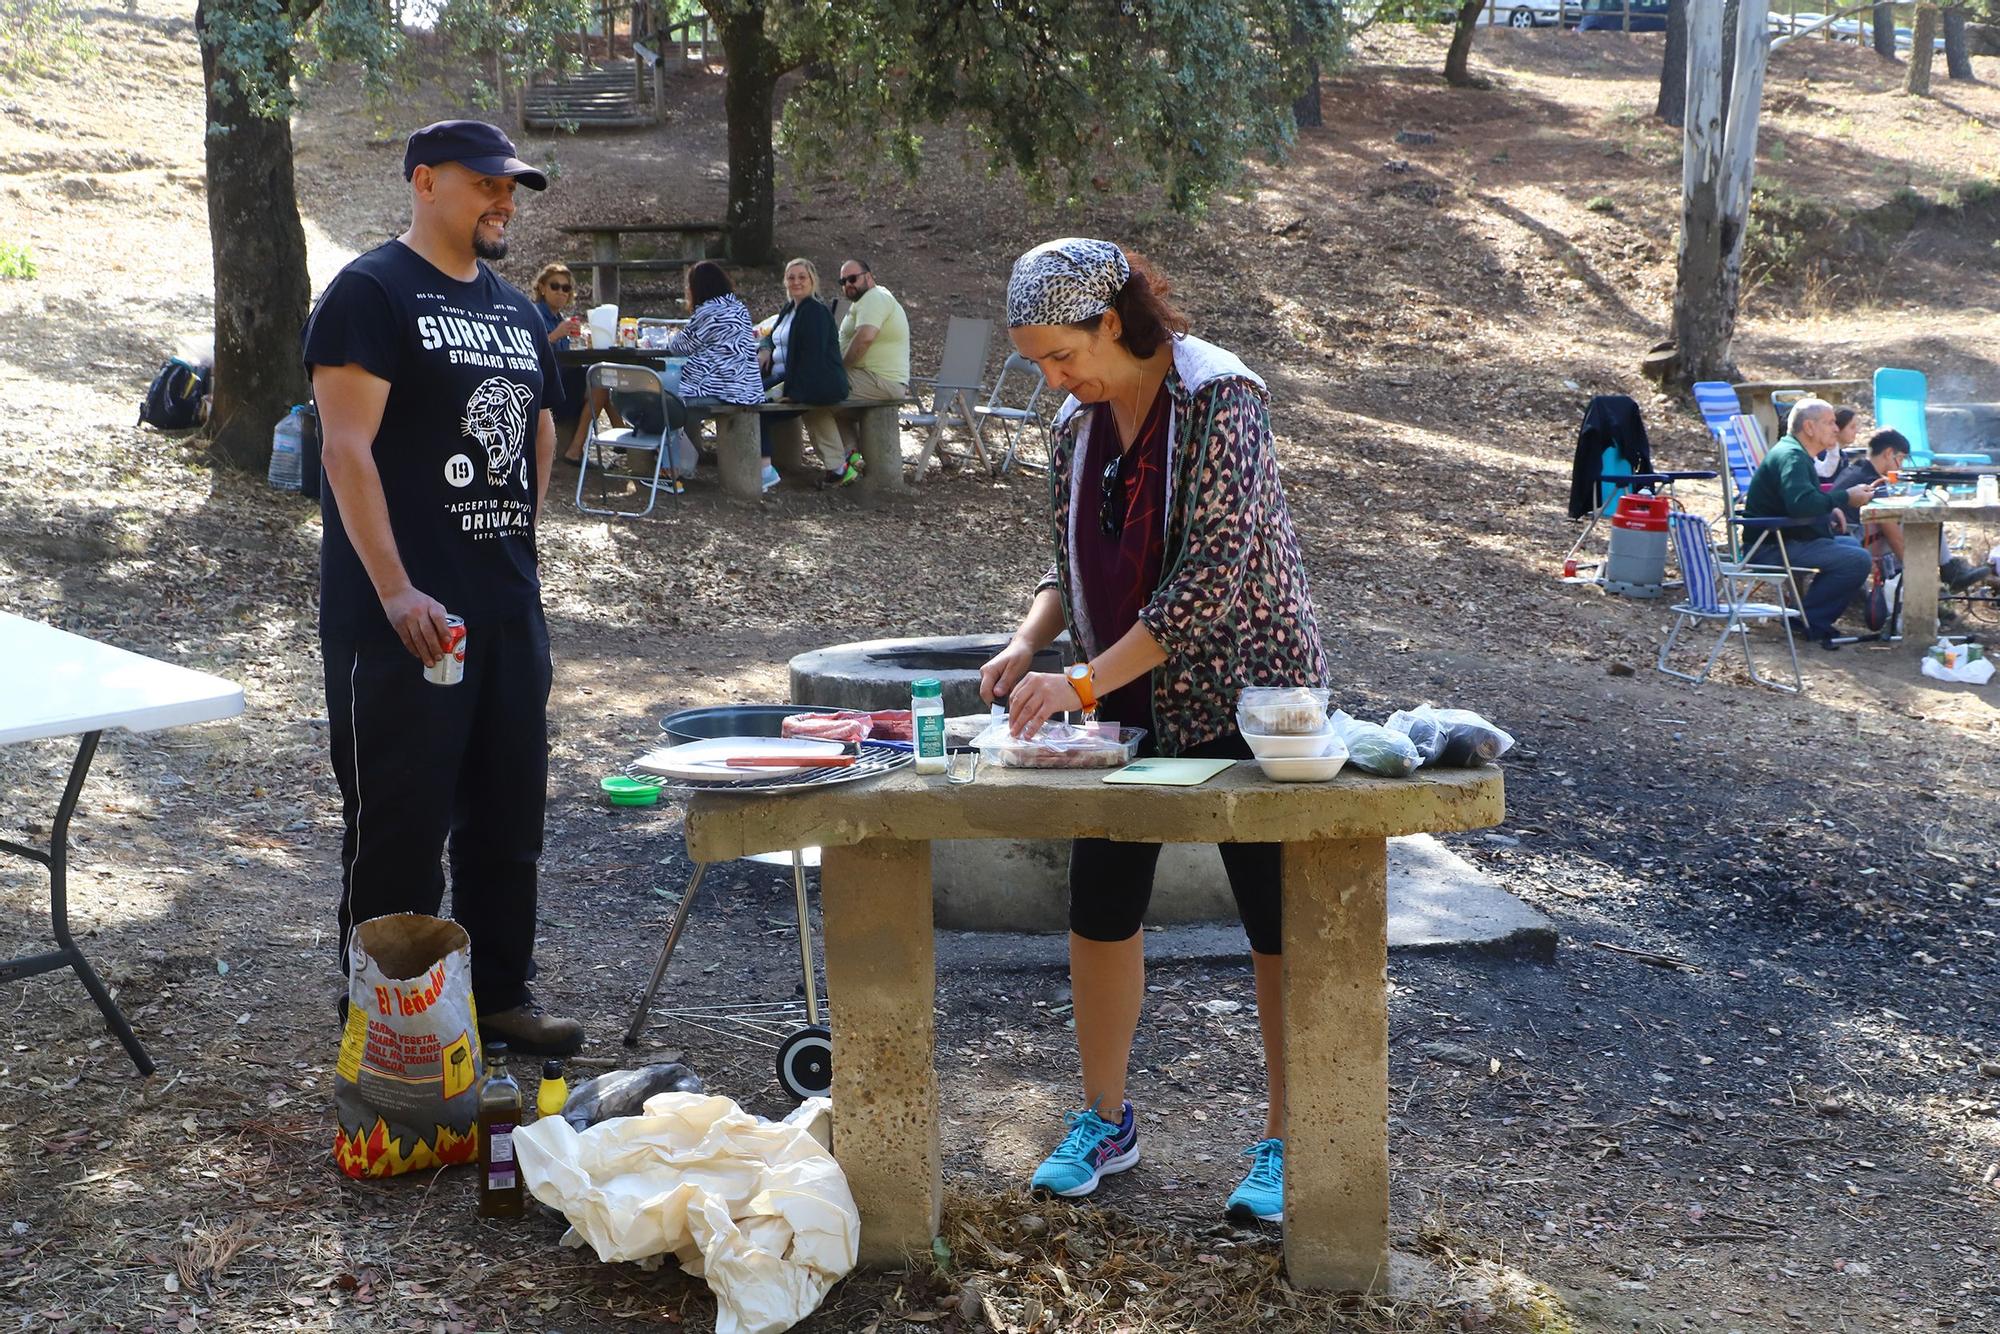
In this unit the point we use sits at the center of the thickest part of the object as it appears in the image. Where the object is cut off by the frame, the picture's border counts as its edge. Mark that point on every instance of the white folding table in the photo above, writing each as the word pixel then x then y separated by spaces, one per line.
pixel 56 684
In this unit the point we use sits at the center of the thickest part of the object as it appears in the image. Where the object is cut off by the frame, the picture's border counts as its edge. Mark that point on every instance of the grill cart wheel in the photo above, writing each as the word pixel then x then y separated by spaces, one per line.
pixel 805 1062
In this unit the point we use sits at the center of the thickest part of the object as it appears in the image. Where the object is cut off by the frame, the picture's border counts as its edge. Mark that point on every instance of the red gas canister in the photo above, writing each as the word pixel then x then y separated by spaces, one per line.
pixel 1636 564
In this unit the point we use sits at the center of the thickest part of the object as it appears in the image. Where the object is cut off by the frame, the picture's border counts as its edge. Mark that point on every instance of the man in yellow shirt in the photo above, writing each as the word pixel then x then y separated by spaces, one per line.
pixel 875 347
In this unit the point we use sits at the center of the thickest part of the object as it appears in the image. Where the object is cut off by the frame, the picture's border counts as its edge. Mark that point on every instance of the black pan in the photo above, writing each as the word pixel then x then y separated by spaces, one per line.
pixel 733 720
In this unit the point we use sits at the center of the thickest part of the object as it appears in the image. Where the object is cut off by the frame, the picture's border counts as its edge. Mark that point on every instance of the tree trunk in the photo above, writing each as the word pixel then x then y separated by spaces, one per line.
pixel 1718 161
pixel 1957 58
pixel 1672 106
pixel 1703 324
pixel 1306 112
pixel 1918 82
pixel 1884 18
pixel 262 293
pixel 752 63
pixel 1455 59
pixel 1729 10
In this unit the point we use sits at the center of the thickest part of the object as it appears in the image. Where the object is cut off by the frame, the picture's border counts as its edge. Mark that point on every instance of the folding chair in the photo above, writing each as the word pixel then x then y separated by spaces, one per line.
pixel 954 389
pixel 1901 398
pixel 614 377
pixel 995 409
pixel 1741 441
pixel 1721 591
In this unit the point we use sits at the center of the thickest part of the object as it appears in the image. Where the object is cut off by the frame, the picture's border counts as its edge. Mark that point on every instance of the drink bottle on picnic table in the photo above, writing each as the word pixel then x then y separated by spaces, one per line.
pixel 501 1194
pixel 554 1090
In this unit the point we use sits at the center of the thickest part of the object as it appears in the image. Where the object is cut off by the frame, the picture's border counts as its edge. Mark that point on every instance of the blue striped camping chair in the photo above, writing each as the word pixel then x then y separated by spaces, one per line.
pixel 1720 592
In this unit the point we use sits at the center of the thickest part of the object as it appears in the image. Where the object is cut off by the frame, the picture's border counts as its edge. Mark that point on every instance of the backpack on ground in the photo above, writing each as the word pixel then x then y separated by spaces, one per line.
pixel 174 399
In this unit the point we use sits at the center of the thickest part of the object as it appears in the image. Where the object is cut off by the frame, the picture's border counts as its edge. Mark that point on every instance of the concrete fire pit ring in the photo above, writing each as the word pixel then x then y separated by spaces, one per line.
pixel 878 673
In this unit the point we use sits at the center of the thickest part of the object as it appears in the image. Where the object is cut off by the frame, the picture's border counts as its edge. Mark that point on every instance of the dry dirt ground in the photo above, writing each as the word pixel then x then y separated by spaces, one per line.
pixel 1794 1131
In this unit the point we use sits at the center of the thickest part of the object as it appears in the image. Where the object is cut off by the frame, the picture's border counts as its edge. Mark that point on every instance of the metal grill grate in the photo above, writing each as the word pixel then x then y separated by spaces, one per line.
pixel 876 759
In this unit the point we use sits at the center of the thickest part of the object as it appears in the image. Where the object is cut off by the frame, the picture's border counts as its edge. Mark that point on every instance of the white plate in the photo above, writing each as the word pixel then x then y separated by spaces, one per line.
pixel 702 761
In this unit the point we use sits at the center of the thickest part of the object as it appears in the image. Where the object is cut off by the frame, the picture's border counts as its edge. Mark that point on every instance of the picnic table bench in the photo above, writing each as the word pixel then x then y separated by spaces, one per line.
pixel 607 242
pixel 881 964
pixel 1756 397
pixel 740 463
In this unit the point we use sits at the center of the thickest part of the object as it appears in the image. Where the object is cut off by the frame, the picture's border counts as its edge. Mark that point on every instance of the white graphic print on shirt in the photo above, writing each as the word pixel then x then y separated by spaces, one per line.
pixel 497 417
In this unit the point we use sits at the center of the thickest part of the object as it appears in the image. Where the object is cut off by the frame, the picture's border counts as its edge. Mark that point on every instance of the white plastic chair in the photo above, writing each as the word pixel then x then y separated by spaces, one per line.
pixel 996 409
pixel 1721 591
pixel 960 378
pixel 614 377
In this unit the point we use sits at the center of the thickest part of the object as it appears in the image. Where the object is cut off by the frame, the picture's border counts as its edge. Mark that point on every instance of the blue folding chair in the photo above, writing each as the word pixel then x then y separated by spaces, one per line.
pixel 1900 400
pixel 1723 591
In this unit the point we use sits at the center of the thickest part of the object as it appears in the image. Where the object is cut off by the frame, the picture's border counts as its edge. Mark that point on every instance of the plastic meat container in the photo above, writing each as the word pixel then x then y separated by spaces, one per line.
pixel 1062 746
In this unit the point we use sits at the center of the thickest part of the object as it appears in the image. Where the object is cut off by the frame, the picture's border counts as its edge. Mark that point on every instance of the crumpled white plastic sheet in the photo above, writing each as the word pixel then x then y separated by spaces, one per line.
pixel 758 1208
pixel 1978 672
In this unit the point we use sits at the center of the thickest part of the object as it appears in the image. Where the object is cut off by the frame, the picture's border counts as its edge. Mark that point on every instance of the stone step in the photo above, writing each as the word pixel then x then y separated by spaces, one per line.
pixel 1438 901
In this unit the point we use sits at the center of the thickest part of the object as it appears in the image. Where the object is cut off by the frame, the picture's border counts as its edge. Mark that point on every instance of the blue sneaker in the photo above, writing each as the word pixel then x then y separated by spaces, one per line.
pixel 1093 1149
pixel 1262 1194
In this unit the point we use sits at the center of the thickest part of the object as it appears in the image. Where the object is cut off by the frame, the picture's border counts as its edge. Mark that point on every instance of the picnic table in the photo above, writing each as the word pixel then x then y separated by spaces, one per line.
pixel 1755 396
pixel 1922 518
pixel 57 684
pixel 738 453
pixel 607 243
pixel 881 969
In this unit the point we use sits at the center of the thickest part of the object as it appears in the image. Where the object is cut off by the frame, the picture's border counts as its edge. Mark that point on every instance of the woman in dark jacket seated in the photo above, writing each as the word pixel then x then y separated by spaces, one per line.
pixel 801 362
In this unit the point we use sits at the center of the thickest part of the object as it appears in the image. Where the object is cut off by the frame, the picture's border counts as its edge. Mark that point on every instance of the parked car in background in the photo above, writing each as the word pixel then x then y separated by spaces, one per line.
pixel 1623 16
pixel 1523 13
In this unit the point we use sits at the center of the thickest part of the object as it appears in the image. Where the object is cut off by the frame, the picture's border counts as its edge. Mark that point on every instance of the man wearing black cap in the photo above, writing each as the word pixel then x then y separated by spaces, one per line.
pixel 435 388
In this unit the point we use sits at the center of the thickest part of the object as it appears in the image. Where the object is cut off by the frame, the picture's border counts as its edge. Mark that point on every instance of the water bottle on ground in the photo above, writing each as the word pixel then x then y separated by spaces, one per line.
pixel 287 450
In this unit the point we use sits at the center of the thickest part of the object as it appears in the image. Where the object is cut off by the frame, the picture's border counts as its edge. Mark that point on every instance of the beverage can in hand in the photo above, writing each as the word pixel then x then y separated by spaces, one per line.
pixel 450 669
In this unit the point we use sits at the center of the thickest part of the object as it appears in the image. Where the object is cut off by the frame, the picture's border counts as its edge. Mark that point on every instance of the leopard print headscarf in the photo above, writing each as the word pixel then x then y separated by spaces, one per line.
pixel 1065 282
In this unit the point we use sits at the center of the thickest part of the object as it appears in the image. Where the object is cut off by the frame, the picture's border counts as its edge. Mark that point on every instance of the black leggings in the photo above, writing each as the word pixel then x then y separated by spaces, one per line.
pixel 1111 883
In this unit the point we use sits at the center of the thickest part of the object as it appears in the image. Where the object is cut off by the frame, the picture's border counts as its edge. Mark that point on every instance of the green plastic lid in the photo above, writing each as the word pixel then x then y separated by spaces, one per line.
pixel 927 687
pixel 624 791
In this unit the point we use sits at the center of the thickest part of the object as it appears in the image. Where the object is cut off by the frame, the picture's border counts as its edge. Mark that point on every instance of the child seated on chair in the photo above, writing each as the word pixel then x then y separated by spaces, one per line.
pixel 1888 451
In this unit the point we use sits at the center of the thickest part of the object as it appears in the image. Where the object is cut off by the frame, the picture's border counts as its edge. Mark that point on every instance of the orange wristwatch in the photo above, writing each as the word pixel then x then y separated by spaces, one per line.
pixel 1083 680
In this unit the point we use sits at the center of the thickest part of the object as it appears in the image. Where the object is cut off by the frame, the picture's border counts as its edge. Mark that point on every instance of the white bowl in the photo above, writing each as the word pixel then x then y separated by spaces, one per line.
pixel 1289 745
pixel 1302 768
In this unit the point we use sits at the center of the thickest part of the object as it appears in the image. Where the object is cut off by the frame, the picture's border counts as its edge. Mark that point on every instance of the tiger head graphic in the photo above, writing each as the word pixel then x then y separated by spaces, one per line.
pixel 496 415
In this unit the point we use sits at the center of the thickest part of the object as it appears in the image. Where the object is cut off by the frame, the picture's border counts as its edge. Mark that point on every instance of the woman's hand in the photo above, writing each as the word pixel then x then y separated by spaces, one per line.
pixel 1004 669
pixel 1036 698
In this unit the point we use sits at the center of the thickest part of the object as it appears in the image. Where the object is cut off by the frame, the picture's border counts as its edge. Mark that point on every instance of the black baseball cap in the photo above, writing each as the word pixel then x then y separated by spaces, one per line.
pixel 472 144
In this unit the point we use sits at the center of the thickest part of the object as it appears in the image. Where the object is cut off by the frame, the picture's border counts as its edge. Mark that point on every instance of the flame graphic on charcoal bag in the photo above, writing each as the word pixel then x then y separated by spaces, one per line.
pixel 406 1087
pixel 380 1154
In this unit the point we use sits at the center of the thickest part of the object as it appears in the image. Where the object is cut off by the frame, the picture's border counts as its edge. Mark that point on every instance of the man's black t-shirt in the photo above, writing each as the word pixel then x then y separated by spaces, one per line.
pixel 469 371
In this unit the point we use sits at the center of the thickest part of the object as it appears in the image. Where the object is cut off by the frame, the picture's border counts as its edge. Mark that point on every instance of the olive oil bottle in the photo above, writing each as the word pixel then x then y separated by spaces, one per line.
pixel 501 1194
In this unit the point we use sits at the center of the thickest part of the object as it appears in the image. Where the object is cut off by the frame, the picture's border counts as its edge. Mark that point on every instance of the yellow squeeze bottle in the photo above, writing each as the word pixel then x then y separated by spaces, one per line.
pixel 554 1092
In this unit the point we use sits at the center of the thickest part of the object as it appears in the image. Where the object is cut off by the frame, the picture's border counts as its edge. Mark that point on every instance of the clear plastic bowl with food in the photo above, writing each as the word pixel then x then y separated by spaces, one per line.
pixel 1281 710
pixel 1060 745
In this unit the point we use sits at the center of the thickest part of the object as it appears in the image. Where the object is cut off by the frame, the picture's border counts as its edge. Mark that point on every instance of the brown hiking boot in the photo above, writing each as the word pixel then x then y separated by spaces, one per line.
pixel 529 1032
